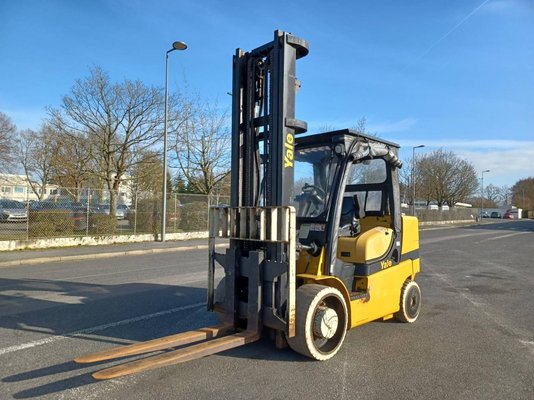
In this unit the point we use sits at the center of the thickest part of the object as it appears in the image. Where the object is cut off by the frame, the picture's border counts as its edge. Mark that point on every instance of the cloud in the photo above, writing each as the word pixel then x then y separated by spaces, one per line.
pixel 378 127
pixel 508 160
pixel 392 126
pixel 500 6
pixel 481 144
pixel 505 162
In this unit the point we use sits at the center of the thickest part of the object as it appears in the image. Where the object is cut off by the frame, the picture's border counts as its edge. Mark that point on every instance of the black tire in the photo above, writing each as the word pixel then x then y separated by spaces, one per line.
pixel 410 302
pixel 321 322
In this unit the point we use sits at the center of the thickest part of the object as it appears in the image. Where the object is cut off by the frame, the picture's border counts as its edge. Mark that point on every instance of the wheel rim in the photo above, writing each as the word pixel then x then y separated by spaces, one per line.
pixel 328 325
pixel 325 322
pixel 413 301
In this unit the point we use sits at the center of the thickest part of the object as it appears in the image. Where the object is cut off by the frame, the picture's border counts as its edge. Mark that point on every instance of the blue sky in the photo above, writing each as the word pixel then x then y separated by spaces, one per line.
pixel 451 74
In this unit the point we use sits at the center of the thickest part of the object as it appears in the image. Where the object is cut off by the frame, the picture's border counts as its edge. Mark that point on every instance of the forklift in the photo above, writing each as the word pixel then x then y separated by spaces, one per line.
pixel 317 243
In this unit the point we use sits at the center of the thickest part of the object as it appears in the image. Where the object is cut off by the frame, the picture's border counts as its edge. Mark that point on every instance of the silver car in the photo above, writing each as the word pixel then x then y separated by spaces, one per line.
pixel 12 211
pixel 120 212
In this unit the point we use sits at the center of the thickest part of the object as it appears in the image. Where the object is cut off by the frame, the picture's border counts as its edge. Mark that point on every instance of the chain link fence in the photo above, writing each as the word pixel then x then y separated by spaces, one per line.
pixel 440 215
pixel 68 212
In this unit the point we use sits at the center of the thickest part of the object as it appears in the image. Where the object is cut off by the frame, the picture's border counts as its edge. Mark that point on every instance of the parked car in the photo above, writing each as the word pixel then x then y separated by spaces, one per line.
pixel 120 212
pixel 484 214
pixel 12 211
pixel 508 215
pixel 496 214
pixel 103 209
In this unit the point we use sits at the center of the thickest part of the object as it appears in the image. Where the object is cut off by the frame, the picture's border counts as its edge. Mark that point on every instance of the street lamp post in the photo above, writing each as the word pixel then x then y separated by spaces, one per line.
pixel 175 46
pixel 482 187
pixel 413 176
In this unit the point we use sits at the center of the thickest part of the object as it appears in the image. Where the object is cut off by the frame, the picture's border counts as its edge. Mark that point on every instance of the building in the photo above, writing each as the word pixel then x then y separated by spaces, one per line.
pixel 17 187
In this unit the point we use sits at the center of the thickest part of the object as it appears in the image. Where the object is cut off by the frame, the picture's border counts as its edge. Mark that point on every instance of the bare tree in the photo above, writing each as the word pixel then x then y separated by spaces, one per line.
pixel 37 152
pixel 505 195
pixel 405 184
pixel 492 193
pixel 361 126
pixel 523 193
pixel 445 178
pixel 201 145
pixel 71 167
pixel 121 121
pixel 326 128
pixel 147 174
pixel 7 142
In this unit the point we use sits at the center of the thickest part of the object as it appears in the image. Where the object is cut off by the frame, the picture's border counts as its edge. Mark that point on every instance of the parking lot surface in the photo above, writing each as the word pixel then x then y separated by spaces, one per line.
pixel 474 338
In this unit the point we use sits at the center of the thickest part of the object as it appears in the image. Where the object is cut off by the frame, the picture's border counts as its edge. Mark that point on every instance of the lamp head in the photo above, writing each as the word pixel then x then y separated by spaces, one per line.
pixel 179 46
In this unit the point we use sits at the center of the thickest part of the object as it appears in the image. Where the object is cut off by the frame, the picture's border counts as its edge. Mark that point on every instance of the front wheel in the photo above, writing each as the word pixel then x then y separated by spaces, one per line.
pixel 321 322
pixel 410 302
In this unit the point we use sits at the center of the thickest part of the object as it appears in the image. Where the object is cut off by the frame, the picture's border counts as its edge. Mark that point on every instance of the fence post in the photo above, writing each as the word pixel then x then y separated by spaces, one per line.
pixel 28 211
pixel 135 213
pixel 88 197
pixel 175 212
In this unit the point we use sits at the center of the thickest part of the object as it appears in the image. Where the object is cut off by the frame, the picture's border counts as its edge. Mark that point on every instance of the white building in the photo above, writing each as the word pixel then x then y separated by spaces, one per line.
pixel 17 187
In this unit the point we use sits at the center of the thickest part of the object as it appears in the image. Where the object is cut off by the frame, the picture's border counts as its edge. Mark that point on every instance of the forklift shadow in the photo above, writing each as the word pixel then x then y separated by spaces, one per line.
pixel 261 350
pixel 54 386
pixel 264 350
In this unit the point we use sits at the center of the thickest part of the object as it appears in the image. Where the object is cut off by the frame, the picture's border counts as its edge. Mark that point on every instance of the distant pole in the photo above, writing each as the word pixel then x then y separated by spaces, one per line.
pixel 175 46
pixel 482 187
pixel 413 176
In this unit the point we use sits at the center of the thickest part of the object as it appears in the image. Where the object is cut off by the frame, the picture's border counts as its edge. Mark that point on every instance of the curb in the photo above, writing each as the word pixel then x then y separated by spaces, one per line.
pixel 434 225
pixel 41 260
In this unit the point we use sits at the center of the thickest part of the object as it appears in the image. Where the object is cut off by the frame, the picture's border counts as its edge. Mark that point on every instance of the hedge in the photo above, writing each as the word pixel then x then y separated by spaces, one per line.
pixel 46 223
pixel 102 224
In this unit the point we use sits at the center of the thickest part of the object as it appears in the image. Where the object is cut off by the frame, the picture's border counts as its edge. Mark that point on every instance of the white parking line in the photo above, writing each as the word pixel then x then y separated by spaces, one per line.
pixel 97 328
pixel 502 236
pixel 454 237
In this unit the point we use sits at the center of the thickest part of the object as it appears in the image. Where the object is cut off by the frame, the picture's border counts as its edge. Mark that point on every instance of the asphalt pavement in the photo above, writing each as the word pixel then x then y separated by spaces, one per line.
pixel 474 338
pixel 64 254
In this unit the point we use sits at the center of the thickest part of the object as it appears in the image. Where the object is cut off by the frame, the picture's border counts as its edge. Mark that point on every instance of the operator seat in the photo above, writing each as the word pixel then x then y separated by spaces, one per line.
pixel 351 213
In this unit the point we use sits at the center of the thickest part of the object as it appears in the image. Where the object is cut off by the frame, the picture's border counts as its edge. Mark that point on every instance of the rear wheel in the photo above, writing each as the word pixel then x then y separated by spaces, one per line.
pixel 321 322
pixel 410 302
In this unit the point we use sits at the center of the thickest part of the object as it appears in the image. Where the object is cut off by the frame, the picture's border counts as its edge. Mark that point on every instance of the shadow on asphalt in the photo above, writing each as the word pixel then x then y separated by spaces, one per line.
pixel 523 225
pixel 95 306
pixel 101 304
pixel 90 305
pixel 54 387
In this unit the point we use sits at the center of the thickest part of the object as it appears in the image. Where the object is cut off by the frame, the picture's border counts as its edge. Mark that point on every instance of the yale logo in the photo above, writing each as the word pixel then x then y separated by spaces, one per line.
pixel 289 156
pixel 386 264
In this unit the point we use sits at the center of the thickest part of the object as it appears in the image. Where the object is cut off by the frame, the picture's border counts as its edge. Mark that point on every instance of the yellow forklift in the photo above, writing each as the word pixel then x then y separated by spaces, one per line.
pixel 317 244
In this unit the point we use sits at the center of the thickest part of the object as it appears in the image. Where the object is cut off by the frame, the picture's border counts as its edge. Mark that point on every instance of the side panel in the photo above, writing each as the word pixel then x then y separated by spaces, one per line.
pixel 410 235
pixel 384 294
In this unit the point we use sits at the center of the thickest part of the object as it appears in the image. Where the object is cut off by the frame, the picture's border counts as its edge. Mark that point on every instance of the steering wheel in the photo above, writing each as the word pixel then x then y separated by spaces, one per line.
pixel 316 198
pixel 315 191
